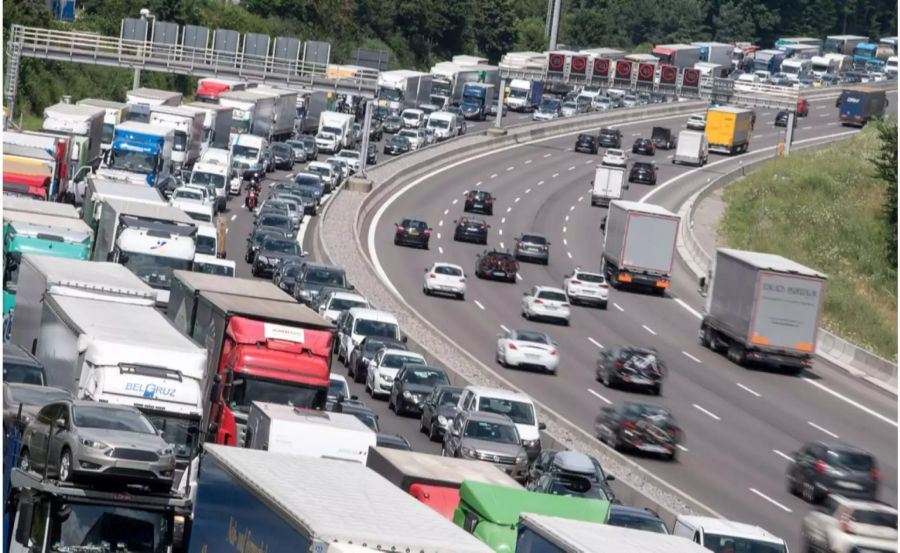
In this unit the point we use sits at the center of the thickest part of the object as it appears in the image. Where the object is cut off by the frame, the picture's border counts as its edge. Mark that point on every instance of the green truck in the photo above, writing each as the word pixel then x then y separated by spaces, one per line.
pixel 491 512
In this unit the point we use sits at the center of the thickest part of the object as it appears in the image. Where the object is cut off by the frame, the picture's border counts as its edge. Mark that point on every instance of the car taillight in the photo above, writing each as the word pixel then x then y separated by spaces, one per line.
pixel 512 346
pixel 629 426
pixel 821 467
pixel 846 522
pixel 576 282
pixel 489 201
pixel 399 230
pixel 876 474
pixel 462 223
pixel 427 233
pixel 618 364
pixel 564 305
pixel 463 280
pixel 538 301
pixel 483 227
pixel 553 352
pixel 432 275
pixel 470 199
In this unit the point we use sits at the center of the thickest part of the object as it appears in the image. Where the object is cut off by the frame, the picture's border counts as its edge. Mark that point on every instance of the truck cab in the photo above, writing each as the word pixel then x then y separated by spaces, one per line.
pixel 213 174
pixel 476 101
pixel 187 123
pixel 524 95
pixel 141 153
pixel 247 156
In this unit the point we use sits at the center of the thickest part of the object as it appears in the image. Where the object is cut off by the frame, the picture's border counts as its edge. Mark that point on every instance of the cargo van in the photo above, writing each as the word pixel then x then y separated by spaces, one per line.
pixel 609 184
pixel 692 149
pixel 714 533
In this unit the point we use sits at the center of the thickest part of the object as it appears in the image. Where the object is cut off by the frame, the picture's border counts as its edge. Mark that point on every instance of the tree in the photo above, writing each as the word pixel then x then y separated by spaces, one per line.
pixel 886 169
pixel 495 31
pixel 530 35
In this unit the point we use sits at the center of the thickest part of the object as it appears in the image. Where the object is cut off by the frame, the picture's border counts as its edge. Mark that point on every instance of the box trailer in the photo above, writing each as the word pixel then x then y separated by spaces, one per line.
pixel 188 125
pixel 639 245
pixel 140 100
pixel 80 121
pixel 692 149
pixel 609 184
pixel 284 111
pixel 763 308
pixel 860 105
pixel 216 124
pixel 728 129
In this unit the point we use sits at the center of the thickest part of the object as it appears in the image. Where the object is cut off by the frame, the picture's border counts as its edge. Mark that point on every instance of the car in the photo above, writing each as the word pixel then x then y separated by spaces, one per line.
pixel 272 253
pixel 570 484
pixel 326 172
pixel 328 142
pixel 643 146
pixel 311 197
pixel 470 229
pixel 333 302
pixel 278 222
pixel 527 348
pixel 297 203
pixel 384 368
pixel 802 108
pixel 74 439
pixel 636 518
pixel 357 323
pixel 187 194
pixel 569 108
pixel 299 148
pixel 360 411
pixel 781 119
pixel 438 410
pixel 393 124
pixel 411 232
pixel 412 386
pixel 285 276
pixel 352 158
pixel 29 398
pixel 392 441
pixel 532 247
pixel 495 264
pixel 631 366
pixel 284 155
pixel 556 461
pixel 376 130
pixel 610 138
pixel 415 136
pixel 545 302
pixel 489 437
pixel 257 238
pixel 445 278
pixel 412 118
pixel 820 468
pixel 314 277
pixel 587 143
pixel 614 157
pixel 21 366
pixel 517 406
pixel 630 101
pixel 309 142
pixel 312 180
pixel 479 201
pixel 368 348
pixel 548 110
pixel 338 391
pixel 844 525
pixel 643 172
pixel 586 288
pixel 639 426
pixel 371 154
pixel 697 122
pixel 396 145
pixel 601 103
pixel 460 118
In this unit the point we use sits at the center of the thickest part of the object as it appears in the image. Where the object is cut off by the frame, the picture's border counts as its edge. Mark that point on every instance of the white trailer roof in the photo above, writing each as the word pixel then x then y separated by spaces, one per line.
pixel 771 262
pixel 50 221
pixel 731 109
pixel 575 536
pixel 254 288
pixel 424 466
pixel 382 513
pixel 643 208
pixel 150 211
pixel 111 278
pixel 29 205
pixel 100 103
pixel 153 93
pixel 125 190
pixel 296 415
pixel 72 111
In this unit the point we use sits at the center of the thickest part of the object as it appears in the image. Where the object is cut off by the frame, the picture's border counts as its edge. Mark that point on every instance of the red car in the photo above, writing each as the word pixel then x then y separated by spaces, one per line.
pixel 643 146
pixel 495 264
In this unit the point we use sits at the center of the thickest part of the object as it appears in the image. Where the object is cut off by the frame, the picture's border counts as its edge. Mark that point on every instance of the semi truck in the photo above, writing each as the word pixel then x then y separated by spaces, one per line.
pixel 768 61
pixel 477 100
pixel 871 55
pixel 252 113
pixel 639 245
pixel 114 113
pixel 140 100
pixel 679 55
pixel 524 95
pixel 216 123
pixel 797 69
pixel 36 165
pixel 763 308
pixel 432 479
pixel 276 502
pixel 151 240
pixel 842 44
pixel 800 41
pixel 609 184
pixel 860 105
pixel 403 89
pixel 284 111
pixel 141 154
pixel 100 189
pixel 728 129
pixel 209 88
pixel 715 52
pixel 188 132
pixel 692 149
pixel 83 121
pixel 447 81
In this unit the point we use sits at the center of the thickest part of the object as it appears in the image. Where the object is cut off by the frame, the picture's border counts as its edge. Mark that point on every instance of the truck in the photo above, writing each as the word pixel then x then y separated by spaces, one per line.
pixel 768 61
pixel 284 111
pixel 728 129
pixel 763 308
pixel 871 55
pixel 639 245
pixel 100 189
pixel 113 114
pixel 209 88
pixel 309 107
pixel 465 59
pixel 188 132
pixel 403 89
pixel 79 162
pixel 83 121
pixel 712 70
pixel 679 55
pixel 151 240
pixel 828 64
pixel 797 69
pixel 434 480
pixel 890 67
pixel 36 165
pixel 477 100
pixel 449 78
pixel 216 124
pixel 693 149
pixel 889 41
pixel 548 534
pixel 141 154
pixel 715 52
pixel 215 173
pixel 842 44
pixel 524 95
pixel 860 105
pixel 338 124
pixel 800 51
pixel 799 41
pixel 609 184
pixel 140 100
pixel 252 113
pixel 742 56
pixel 265 500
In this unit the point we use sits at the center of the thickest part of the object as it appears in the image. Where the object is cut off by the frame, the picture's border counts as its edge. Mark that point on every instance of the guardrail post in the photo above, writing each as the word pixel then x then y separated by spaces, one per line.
pixel 498 122
pixel 789 135
pixel 364 147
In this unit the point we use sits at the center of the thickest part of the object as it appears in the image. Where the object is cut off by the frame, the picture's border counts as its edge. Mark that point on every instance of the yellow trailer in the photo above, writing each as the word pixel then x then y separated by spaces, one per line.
pixel 728 129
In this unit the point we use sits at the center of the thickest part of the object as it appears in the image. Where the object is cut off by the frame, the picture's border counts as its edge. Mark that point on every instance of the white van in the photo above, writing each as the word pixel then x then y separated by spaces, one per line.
pixel 715 533
pixel 247 156
pixel 413 118
pixel 516 406
pixel 692 149
pixel 444 125
pixel 212 265
pixel 361 322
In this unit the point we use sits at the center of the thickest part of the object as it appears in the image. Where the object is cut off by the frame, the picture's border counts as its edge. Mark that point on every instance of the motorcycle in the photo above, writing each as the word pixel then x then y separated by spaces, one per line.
pixel 251 199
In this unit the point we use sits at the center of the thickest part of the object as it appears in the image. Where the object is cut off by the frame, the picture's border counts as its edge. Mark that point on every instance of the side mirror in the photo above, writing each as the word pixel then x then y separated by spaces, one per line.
pixel 354 397
pixel 542 426
pixel 215 389
pixel 60 424
pixel 610 478
pixel 351 287
pixel 403 339
pixel 524 293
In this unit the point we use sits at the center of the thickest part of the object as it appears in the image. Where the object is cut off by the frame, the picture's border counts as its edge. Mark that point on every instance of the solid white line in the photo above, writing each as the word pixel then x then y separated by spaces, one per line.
pixel 784 455
pixel 494 176
pixel 502 247
pixel 446 211
pixel 770 500
pixel 441 250
pixel 547 155
pixel 598 396
pixel 528 191
pixel 554 175
pixel 681 447
pixel 825 430
pixel 670 156
pixel 502 220
pixel 706 412
pixel 478 303
pixel 516 200
pixel 510 168
pixel 455 201
pixel 690 309
pixel 569 254
pixel 748 390
pixel 691 357
pixel 595 342
pixel 504 328
pixel 617 306
pixel 826 115
pixel 565 242
pixel 226 230
pixel 234 216
pixel 648 329
pixel 508 209
pixel 805 128
pixel 540 182
pixel 588 162
pixel 856 404
pixel 572 168
pixel 527 161
pixel 565 228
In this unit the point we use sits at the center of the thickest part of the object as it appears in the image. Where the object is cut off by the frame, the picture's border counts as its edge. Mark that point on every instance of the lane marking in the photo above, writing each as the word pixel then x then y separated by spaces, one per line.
pixel 572 208
pixel 565 242
pixel 598 396
pixel 554 175
pixel 707 412
pixel 547 155
pixel 500 232
pixel 234 216
pixel 567 218
pixel 595 342
pixel 670 156
pixel 455 201
pixel 478 303
pixel 504 328
pixel 510 168
pixel 648 329
pixel 691 357
pixel 540 182
pixel 502 247
pixel 854 403
pixel 690 309
pixel 441 250
pixel 446 211
pixel 494 176
pixel 580 198
pixel 565 228
pixel 226 230
pixel 572 168
pixel 823 429
pixel 441 223
pixel 635 134
pixel 825 115
pixel 478 183
pixel 518 276
pixel 528 191
pixel 770 500
pixel 783 455
pixel 508 209
pixel 503 220
pixel 681 447
pixel 805 128
pixel 516 200
pixel 588 162
pixel 439 235
pixel 527 161
pixel 617 306
pixel 569 254
pixel 748 390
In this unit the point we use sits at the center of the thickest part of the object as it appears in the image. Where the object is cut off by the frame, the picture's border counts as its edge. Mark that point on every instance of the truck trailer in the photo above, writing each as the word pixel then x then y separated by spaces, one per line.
pixel 284 111
pixel 113 114
pixel 524 95
pixel 842 44
pixel 140 100
pixel 216 123
pixel 715 52
pixel 188 136
pixel 763 308
pixel 252 113
pixel 860 105
pixel 36 165
pixel 768 61
pixel 728 129
pixel 100 189
pixel 679 55
pixel 209 88
pixel 609 184
pixel 692 149
pixel 639 245
pixel 447 81
pixel 79 121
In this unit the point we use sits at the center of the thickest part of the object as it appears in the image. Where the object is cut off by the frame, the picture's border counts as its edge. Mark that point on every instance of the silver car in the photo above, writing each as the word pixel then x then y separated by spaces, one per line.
pixel 75 438
pixel 486 437
pixel 30 398
pixel 533 247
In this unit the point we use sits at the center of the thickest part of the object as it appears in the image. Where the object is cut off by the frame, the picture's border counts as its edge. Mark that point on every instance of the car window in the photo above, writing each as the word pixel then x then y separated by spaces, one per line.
pixel 875 518
pixel 47 414
pixel 531 336
pixel 519 411
pixel 417 225
pixel 328 277
pixel 449 271
pixel 37 396
pixel 112 419
pixel 368 327
pixel 343 304
pixel 851 460
pixel 396 361
pixel 449 397
pixel 533 239
pixel 491 431
pixel 552 296
pixel 281 246
pixel 590 277
pixel 338 388
pixel 637 522
pixel 425 377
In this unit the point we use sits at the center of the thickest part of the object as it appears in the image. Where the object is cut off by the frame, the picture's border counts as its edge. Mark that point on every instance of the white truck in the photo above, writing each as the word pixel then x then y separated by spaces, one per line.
pixel 247 158
pixel 525 95
pixel 402 89
pixel 101 189
pixel 287 429
pixel 716 533
pixel 284 111
pixel 715 52
pixel 188 125
pixel 338 124
pixel 252 113
pixel 216 123
pixel 151 240
pixel 215 176
pixel 444 124
pixel 113 114
pixel 639 245
pixel 823 65
pixel 75 120
pixel 763 308
pixel 609 184
pixel 692 149
pixel 140 100
pixel 797 69
pixel 447 80
pixel 221 158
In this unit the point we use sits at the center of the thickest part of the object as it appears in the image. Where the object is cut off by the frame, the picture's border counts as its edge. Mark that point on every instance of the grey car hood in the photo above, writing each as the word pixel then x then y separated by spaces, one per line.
pixel 419 389
pixel 123 438
pixel 496 448
pixel 447 411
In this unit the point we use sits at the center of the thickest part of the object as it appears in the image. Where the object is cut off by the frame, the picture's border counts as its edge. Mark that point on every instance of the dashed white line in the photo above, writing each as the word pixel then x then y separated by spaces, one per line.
pixel 580 198
pixel 439 236
pixel 770 500
pixel 226 230
pixel 707 412
pixel 595 342
pixel 547 155
pixel 825 430
pixel 510 168
pixel 617 306
pixel 519 276
pixel 516 200
pixel 494 176
pixel 681 447
pixel 601 398
pixel 805 128
pixel 572 168
pixel 690 309
pixel 540 182
pixel 826 115
pixel 528 191
pixel 441 223
pixel 234 216
pixel 783 455
pixel 478 183
pixel 572 208
pixel 500 232
pixel 504 328
pixel 569 254
pixel 567 218
pixel 670 156
pixel 478 303
pixel 503 220
pixel 508 209
pixel 648 329
pixel 691 357
pixel 527 161
pixel 635 134
pixel 565 229
pixel 502 247
pixel 554 175
pixel 856 404
pixel 565 242
pixel 589 161
pixel 455 201
pixel 748 390
pixel 446 211
pixel 441 250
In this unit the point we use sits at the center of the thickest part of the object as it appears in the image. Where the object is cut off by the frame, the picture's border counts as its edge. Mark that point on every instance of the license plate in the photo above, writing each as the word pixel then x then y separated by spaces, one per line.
pixel 849 485
pixel 551 307
pixel 499 273
pixel 478 205
pixel 413 233
pixel 473 229
pixel 531 356
pixel 654 448
pixel 589 292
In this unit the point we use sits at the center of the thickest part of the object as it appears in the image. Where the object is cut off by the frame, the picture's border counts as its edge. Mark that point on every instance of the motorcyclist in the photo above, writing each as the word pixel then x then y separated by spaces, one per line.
pixel 251 200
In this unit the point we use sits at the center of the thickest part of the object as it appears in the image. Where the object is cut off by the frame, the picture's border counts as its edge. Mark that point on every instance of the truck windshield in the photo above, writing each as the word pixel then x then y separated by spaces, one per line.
pixel 176 431
pixel 206 179
pixel 440 88
pixel 332 130
pixel 244 151
pixel 247 390
pixel 106 135
pixel 155 270
pixel 518 93
pixel 391 94
pixel 719 543
pixel 133 162
pixel 471 99
pixel 77 527
pixel 438 123
pixel 180 143
pixel 240 126
pixel 206 245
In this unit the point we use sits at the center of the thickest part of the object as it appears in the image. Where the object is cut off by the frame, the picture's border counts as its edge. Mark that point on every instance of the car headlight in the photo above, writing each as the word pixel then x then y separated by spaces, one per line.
pixel 94 444
pixel 166 451
pixel 521 458
pixel 387 378
pixel 305 294
pixel 262 259
pixel 530 443
pixel 407 395
pixel 468 452
pixel 442 420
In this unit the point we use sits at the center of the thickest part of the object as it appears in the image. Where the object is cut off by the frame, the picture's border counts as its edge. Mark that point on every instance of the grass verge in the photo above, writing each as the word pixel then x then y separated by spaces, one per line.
pixel 823 208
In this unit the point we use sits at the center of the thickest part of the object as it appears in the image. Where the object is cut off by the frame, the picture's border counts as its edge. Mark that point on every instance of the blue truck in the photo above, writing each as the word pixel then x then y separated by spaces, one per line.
pixel 860 105
pixel 871 55
pixel 525 95
pixel 477 99
pixel 141 153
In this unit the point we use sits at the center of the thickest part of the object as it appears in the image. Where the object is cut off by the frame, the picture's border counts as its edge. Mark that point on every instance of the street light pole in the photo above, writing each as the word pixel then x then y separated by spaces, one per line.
pixel 145 16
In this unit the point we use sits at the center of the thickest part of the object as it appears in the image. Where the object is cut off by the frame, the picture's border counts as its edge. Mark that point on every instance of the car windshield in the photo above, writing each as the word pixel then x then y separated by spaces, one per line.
pixel 25 374
pixel 426 377
pixel 576 486
pixel 449 397
pixel 204 179
pixel 247 390
pixel 244 151
pixel 348 154
pixel 274 221
pixel 549 105
pixel 406 133
pixel 37 396
pixel 449 271
pixel 532 239
pixel 206 244
pixel 133 162
pixel 177 431
pixel 213 269
pixel 372 346
pixel 393 120
pixel 876 518
pixel 519 411
pixel 552 296
pixel 740 545
pixel 90 527
pixel 290 271
pixel 531 336
pixel 86 416
pixel 296 144
pixel 198 216
pixel 367 327
pixel 399 140
pixel 282 149
pixel 308 180
pixel 585 137
pixel 369 420
pixel 615 153
pixel 321 170
pixel 861 462
pixel 281 246
pixel 570 105
pixel 338 388
pixel 188 195
pixel 343 304
pixel 327 277
pixel 492 432
pixel 396 361
pixel 636 522
pixel 155 270
pixel 439 123
pixel 414 225
pixel 590 277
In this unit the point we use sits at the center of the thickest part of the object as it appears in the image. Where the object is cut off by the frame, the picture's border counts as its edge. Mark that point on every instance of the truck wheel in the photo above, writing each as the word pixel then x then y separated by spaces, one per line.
pixel 737 354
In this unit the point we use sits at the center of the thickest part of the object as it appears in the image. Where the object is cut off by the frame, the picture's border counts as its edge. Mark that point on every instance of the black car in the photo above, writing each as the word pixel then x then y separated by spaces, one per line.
pixel 272 252
pixel 21 367
pixel 412 386
pixel 643 172
pixel 311 180
pixel 470 229
pixel 821 468
pixel 309 142
pixel 376 130
pixel 643 146
pixel 610 138
pixel 479 201
pixel 358 410
pixel 781 119
pixel 392 124
pixel 314 277
pixel 285 276
pixel 256 239
pixel 358 365
pixel 639 426
pixel 284 155
pixel 636 518
pixel 439 409
pixel 411 232
pixel 587 143
pixel 551 462
pixel 631 366
pixel 663 138
pixel 276 221
pixel 371 155
pixel 392 441
pixel 311 197
pixel 494 264
pixel 396 145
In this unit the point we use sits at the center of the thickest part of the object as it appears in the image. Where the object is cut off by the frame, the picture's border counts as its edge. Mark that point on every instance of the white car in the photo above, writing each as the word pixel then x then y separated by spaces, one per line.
pixel 545 302
pixel 336 302
pixel 844 525
pixel 337 387
pixel 569 109
pixel 615 157
pixel 445 278
pixel 527 348
pixel 352 157
pixel 415 137
pixel 385 366
pixel 326 171
pixel 697 122
pixel 327 142
pixel 587 288
pixel 189 194
pixel 412 118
